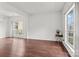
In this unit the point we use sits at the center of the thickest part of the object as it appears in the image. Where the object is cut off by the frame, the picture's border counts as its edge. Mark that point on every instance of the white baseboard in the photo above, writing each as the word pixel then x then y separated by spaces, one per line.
pixel 2 37
pixel 41 39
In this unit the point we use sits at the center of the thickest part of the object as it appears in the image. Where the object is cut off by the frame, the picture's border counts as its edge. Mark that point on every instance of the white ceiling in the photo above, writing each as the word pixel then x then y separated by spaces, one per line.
pixel 38 7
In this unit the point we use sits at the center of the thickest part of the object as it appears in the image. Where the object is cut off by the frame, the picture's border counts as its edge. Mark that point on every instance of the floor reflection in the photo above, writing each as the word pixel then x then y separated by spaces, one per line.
pixel 12 47
pixel 16 47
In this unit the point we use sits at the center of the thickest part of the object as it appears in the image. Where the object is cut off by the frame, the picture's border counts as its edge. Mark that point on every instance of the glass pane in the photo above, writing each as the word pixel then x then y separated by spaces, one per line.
pixel 70 34
pixel 70 23
pixel 70 40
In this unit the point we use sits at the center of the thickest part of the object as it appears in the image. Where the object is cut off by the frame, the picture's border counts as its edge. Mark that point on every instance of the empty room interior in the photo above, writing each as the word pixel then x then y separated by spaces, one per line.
pixel 39 29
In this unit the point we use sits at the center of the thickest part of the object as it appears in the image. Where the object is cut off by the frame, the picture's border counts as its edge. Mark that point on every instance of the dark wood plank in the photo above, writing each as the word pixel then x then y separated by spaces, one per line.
pixel 16 47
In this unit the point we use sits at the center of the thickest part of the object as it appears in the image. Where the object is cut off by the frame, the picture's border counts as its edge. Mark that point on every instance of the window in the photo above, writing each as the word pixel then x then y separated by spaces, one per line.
pixel 70 27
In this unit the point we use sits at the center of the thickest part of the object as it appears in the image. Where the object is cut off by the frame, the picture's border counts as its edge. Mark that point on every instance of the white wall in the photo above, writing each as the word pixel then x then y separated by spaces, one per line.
pixel 44 26
pixel 77 31
pixel 3 27
pixel 65 9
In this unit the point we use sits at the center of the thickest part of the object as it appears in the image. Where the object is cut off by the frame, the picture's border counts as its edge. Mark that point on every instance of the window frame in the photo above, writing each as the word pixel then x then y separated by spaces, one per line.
pixel 66 27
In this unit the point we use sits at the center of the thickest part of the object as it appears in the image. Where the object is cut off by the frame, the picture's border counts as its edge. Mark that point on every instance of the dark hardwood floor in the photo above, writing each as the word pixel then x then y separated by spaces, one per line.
pixel 15 47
